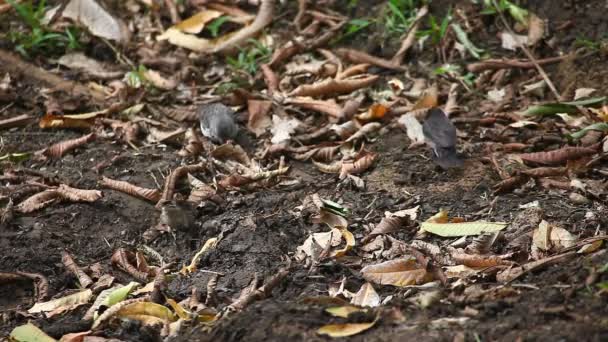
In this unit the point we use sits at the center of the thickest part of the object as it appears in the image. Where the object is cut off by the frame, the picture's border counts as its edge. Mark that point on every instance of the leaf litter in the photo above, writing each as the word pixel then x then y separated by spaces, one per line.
pixel 246 219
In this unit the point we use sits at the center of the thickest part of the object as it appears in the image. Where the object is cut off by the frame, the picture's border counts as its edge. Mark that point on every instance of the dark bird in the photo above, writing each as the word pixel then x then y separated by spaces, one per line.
pixel 440 135
pixel 217 122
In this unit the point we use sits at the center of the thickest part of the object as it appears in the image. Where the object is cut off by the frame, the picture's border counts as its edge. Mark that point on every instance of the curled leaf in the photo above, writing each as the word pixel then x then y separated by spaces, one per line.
pixel 59 149
pixel 400 272
pixel 152 195
pixel 360 165
pixel 333 86
pixel 463 228
pixel 557 156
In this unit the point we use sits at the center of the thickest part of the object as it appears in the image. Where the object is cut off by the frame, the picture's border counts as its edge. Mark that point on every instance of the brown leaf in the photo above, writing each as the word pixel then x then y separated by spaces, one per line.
pixel 375 112
pixel 364 131
pixel 355 56
pixel 511 274
pixel 193 146
pixel 558 156
pixel 334 167
pixel 174 177
pixel 329 107
pixel 230 151
pixel 38 201
pixel 545 172
pixel 69 263
pixel 477 260
pixel 259 118
pixel 360 165
pixel 332 86
pixel 59 149
pixel 429 99
pixel 152 195
pixel 510 183
pixel 271 79
pixel 400 272
pixel 202 192
pixel 234 181
pixel 366 296
pixel 126 260
pixel 78 195
pixel 62 121
pixel 323 153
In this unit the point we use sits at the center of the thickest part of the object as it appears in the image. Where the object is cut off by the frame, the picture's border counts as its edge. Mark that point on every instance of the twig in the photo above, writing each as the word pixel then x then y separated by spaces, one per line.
pixel 528 53
pixel 497 64
pixel 12 64
pixel 410 37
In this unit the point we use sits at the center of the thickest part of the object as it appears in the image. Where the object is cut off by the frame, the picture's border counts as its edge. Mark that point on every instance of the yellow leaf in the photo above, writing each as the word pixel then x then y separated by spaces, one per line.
pixel 29 333
pixel 62 304
pixel 350 243
pixel 344 330
pixel 462 229
pixel 400 272
pixel 209 244
pixel 147 312
pixel 185 40
pixel 342 311
pixel 196 23
pixel 440 217
pixel 591 247
pixel 179 310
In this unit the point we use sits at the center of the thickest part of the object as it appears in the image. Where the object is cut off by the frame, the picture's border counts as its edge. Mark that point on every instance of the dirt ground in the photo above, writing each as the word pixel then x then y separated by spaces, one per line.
pixel 262 227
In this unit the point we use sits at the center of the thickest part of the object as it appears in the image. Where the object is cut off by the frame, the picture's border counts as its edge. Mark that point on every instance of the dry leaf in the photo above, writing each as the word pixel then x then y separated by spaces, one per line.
pixel 413 128
pixel 196 23
pixel 97 20
pixel 59 305
pixel 557 156
pixel 376 111
pixel 329 107
pixel 462 229
pixel 259 119
pixel 429 99
pixel 366 296
pixel 477 260
pixel 59 149
pixel 343 311
pixel 363 162
pixel 344 330
pixel 152 195
pixel 400 272
pixel 332 86
pixel 231 151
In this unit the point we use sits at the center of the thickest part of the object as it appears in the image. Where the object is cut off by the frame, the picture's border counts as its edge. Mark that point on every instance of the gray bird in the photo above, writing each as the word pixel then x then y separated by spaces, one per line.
pixel 440 135
pixel 217 122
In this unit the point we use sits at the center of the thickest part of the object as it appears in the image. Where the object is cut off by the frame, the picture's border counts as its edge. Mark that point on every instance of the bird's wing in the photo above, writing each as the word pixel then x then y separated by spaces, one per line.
pixel 439 129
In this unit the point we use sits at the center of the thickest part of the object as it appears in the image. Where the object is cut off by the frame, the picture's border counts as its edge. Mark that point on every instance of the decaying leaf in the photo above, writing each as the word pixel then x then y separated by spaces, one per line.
pixel 363 162
pixel 462 229
pixel 343 311
pixel 97 20
pixel 558 156
pixel 59 149
pixel 59 305
pixel 477 260
pixel 259 118
pixel 376 111
pixel 317 243
pixel 29 333
pixel 400 272
pixel 394 221
pixel 344 330
pixel 366 296
pixel 209 244
pixel 333 86
pixel 549 237
pixel 152 195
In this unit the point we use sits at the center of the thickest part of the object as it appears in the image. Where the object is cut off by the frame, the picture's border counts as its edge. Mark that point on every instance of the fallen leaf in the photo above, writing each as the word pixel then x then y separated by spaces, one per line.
pixel 375 112
pixel 97 20
pixel 332 86
pixel 29 333
pixel 59 305
pixel 282 129
pixel 462 229
pixel 259 120
pixel 343 311
pixel 591 247
pixel 196 23
pixel 413 128
pixel 400 272
pixel 344 330
pixel 366 296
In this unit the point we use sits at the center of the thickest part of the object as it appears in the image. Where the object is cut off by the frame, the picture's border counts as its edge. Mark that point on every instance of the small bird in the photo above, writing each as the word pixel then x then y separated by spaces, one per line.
pixel 440 136
pixel 217 122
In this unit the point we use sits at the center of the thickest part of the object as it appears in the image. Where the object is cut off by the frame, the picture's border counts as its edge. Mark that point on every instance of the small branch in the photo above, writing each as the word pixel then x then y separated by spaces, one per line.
pixel 410 37
pixel 497 64
pixel 528 53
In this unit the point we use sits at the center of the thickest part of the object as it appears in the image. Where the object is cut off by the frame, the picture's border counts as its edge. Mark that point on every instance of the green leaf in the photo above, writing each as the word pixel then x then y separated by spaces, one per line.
pixel 216 24
pixel 562 107
pixel 599 126
pixel 462 229
pixel 29 333
pixel 464 40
